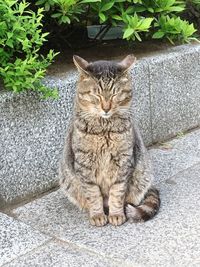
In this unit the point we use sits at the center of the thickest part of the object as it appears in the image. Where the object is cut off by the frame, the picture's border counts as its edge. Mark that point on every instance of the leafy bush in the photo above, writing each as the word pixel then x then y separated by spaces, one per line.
pixel 21 37
pixel 140 19
pixel 174 29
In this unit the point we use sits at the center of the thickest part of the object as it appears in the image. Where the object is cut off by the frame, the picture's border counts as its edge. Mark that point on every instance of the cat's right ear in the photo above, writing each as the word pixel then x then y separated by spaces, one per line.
pixel 127 63
pixel 81 64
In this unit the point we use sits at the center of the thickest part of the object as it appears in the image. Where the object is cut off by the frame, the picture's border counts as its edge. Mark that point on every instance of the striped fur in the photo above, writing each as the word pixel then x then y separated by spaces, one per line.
pixel 147 209
pixel 105 164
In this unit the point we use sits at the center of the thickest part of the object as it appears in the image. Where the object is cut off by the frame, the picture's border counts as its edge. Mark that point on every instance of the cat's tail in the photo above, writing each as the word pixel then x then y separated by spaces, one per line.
pixel 147 209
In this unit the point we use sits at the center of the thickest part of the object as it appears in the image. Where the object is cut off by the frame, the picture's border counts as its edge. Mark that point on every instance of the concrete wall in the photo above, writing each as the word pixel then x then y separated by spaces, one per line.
pixel 166 101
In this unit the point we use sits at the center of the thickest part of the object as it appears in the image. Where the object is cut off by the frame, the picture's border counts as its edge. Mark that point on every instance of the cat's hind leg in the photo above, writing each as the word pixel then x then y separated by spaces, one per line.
pixel 73 190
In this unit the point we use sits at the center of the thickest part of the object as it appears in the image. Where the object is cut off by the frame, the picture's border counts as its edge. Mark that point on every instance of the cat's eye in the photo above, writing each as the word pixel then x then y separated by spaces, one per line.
pixel 113 96
pixel 97 97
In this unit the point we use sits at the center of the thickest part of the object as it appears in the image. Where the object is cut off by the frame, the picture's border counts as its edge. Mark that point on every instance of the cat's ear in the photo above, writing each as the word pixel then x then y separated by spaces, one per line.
pixel 81 64
pixel 127 63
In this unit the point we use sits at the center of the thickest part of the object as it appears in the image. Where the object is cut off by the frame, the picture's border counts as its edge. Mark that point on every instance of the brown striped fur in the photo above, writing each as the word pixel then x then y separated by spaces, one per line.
pixel 105 167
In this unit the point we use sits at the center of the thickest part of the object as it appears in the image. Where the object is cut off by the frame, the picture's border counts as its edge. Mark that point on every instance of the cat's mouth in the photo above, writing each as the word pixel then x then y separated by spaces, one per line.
pixel 106 115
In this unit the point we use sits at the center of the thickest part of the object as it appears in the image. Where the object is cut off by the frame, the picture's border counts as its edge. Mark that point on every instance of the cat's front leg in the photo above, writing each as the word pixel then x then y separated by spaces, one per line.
pixel 116 203
pixel 94 197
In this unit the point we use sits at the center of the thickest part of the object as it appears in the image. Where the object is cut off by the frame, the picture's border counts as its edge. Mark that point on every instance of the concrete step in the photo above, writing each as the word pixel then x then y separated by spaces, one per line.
pixel 166 102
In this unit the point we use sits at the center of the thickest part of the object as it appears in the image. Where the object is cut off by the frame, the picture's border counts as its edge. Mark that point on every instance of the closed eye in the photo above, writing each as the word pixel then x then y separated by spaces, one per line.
pixel 113 96
pixel 84 93
pixel 96 96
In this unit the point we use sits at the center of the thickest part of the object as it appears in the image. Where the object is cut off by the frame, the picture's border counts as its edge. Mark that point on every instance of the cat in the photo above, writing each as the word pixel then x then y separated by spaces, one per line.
pixel 105 167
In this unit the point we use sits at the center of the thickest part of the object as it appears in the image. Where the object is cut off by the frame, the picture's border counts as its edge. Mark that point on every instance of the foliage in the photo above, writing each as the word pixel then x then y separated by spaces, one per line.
pixel 173 29
pixel 21 30
pixel 139 18
pixel 21 38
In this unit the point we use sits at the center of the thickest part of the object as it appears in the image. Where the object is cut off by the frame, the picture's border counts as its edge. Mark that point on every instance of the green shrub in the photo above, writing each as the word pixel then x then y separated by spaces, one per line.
pixel 140 19
pixel 21 38
pixel 174 29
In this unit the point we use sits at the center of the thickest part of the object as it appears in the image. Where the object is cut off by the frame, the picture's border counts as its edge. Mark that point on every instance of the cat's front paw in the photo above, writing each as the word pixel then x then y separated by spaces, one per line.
pixel 117 219
pixel 98 220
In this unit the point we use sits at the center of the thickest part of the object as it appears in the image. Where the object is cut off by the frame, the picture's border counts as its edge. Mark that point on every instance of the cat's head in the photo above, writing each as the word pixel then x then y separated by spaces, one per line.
pixel 104 86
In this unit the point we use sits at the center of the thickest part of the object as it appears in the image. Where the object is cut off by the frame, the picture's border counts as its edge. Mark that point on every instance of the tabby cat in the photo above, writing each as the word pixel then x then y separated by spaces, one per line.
pixel 105 168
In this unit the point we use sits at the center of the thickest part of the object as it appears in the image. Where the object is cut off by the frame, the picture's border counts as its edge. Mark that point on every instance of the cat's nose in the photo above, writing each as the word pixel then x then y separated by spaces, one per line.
pixel 106 106
pixel 106 109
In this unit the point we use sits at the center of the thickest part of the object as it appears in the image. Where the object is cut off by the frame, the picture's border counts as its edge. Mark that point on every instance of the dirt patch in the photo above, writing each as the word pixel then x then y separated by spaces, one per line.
pixel 107 50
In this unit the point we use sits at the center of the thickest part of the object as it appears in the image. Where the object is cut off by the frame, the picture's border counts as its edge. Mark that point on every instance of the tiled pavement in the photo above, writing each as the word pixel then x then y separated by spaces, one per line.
pixel 51 232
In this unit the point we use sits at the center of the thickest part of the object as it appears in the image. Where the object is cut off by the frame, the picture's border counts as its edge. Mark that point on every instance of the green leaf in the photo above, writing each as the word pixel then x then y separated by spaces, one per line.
pixel 137 36
pixel 89 1
pixel 102 17
pixel 128 32
pixel 47 6
pixel 21 7
pixel 145 24
pixel 116 17
pixel 107 6
pixel 139 9
pixel 65 19
pixel 9 43
pixel 150 9
pixel 10 35
pixel 130 10
pixel 133 20
pixel 40 2
pixel 56 15
pixel 189 30
pixel 158 35
pixel 175 8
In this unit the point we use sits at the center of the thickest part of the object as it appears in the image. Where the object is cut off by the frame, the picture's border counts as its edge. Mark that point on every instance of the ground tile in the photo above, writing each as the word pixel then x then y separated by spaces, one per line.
pixel 16 238
pixel 170 239
pixel 60 254
pixel 175 156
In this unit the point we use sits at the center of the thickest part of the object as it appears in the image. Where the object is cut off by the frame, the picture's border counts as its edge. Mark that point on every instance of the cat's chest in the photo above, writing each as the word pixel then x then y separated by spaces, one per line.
pixel 101 145
pixel 102 153
pixel 100 158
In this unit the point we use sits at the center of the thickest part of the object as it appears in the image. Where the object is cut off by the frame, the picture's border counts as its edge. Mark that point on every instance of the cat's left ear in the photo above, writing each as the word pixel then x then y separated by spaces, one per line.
pixel 80 63
pixel 127 63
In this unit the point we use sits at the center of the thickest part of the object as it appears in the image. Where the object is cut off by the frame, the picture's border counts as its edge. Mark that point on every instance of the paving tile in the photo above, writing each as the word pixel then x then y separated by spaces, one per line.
pixel 60 254
pixel 16 238
pixel 175 156
pixel 170 239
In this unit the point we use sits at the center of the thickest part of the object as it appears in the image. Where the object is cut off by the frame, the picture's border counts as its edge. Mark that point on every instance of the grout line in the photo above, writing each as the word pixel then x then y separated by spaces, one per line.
pixel 28 252
pixel 178 173
pixel 70 243
pixel 10 207
pixel 95 252
pixel 118 262
pixel 174 137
